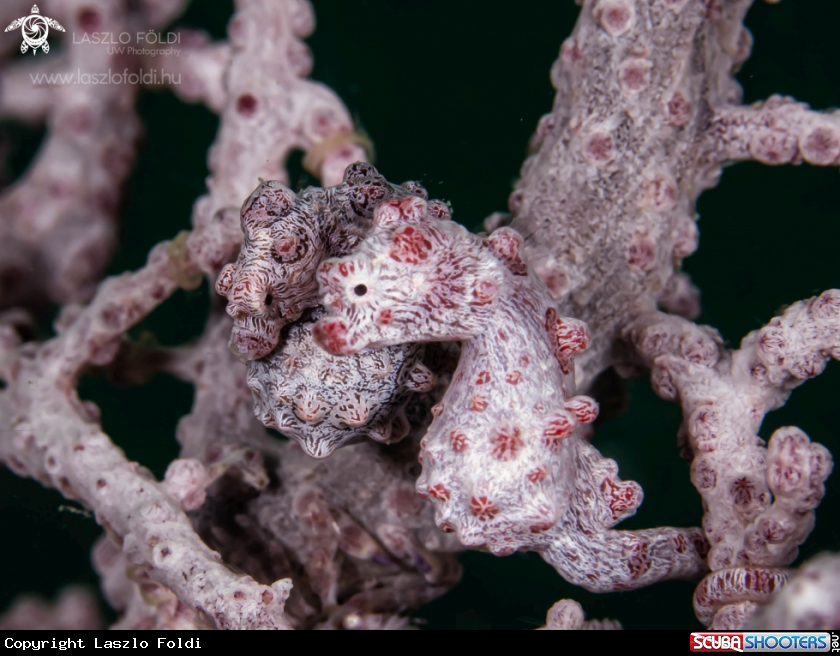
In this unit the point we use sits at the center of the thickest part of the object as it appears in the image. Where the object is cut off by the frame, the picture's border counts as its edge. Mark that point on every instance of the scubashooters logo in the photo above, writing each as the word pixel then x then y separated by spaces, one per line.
pixel 781 641
pixel 35 30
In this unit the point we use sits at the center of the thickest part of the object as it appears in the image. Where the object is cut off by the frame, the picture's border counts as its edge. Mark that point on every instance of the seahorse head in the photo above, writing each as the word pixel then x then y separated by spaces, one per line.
pixel 273 280
pixel 416 277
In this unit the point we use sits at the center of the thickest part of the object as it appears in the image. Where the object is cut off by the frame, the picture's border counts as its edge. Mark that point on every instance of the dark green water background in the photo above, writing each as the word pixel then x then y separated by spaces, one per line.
pixel 450 92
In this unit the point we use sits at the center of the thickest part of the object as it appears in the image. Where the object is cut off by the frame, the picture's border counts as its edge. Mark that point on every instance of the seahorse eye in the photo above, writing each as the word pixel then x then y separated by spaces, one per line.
pixel 360 290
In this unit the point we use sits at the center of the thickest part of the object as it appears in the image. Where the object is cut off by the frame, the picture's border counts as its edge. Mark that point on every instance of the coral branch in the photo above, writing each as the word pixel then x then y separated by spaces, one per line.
pixel 778 131
pixel 161 12
pixel 759 503
pixel 645 114
pixel 20 98
pixel 269 111
pixel 735 585
pixel 74 609
pixel 809 602
pixel 141 603
pixel 197 74
pixel 54 437
pixel 568 615
pixel 60 217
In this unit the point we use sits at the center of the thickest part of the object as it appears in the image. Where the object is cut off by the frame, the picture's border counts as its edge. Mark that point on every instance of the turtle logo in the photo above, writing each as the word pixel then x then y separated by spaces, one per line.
pixel 35 29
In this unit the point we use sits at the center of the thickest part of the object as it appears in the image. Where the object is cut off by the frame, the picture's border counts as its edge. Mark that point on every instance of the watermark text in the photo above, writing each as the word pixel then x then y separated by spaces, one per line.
pixel 149 78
